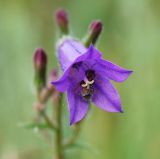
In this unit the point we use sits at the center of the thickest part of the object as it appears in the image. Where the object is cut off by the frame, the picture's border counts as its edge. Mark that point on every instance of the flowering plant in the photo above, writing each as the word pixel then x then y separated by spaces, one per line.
pixel 86 78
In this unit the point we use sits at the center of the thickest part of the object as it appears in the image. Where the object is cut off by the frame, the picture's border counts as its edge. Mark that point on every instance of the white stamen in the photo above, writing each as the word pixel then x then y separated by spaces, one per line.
pixel 84 85
pixel 91 82
pixel 87 83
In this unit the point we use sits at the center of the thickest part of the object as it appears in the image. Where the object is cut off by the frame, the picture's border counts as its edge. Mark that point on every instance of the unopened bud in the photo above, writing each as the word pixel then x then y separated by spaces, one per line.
pixel 40 63
pixel 96 27
pixel 62 20
pixel 95 30
pixel 40 59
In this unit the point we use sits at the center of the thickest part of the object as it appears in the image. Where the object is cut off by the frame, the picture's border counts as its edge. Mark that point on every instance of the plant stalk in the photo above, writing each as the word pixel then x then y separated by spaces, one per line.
pixel 59 132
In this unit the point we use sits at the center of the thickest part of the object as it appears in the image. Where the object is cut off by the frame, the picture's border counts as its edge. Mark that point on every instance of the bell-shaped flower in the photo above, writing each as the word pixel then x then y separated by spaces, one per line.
pixel 86 78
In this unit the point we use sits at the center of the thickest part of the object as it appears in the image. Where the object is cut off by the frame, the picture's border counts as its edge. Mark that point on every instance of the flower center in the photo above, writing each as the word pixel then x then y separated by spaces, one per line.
pixel 90 74
pixel 87 84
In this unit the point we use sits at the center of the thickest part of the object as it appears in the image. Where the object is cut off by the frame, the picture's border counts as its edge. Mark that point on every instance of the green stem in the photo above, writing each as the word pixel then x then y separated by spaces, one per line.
pixel 59 132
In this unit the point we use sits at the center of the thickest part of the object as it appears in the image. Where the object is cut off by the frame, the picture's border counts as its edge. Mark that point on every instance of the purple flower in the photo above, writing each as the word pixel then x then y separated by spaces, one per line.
pixel 86 79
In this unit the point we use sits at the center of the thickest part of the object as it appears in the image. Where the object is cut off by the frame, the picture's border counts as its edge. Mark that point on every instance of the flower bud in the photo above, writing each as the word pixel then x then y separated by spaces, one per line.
pixel 40 59
pixel 62 20
pixel 40 63
pixel 96 27
pixel 95 30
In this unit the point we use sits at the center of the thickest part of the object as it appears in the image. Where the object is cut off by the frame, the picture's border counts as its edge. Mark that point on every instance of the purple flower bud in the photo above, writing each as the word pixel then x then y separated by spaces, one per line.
pixel 95 30
pixel 96 27
pixel 40 59
pixel 40 63
pixel 62 20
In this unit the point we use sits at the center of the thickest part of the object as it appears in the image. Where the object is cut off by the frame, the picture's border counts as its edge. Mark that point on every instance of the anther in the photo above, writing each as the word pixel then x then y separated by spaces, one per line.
pixel 86 83
pixel 90 82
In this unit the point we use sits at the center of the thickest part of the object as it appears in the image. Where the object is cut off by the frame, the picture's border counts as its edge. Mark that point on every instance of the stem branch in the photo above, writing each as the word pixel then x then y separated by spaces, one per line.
pixel 48 121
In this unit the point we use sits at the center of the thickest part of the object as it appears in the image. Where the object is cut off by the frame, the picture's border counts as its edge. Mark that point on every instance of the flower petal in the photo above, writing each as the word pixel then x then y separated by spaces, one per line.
pixel 106 97
pixel 77 106
pixel 113 71
pixel 91 54
pixel 63 83
pixel 68 51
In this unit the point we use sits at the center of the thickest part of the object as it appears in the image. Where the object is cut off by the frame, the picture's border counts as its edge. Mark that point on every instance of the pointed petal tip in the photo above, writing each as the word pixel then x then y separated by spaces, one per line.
pixel 58 87
pixel 113 71
pixel 94 52
pixel 121 111
pixel 118 110
pixel 130 72
pixel 52 83
pixel 91 46
pixel 72 122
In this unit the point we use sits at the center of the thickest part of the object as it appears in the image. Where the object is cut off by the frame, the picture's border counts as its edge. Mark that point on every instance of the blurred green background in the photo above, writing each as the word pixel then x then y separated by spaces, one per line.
pixel 130 38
